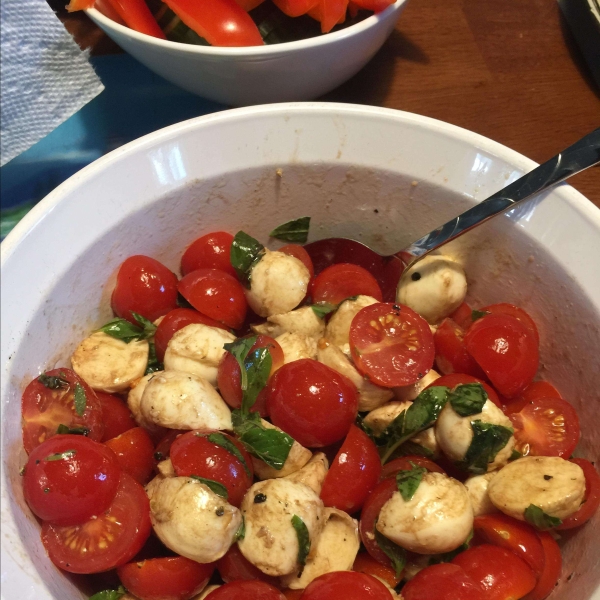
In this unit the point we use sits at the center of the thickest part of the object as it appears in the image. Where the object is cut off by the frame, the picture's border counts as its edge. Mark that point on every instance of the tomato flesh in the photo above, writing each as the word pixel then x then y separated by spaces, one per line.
pixel 591 499
pixel 346 584
pixel 211 251
pixel 442 582
pixel 365 563
pixel 344 280
pixel 135 453
pixel 248 590
pixel 116 416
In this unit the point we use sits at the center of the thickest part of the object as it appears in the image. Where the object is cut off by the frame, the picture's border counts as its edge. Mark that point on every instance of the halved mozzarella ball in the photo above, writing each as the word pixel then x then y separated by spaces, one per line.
pixel 477 486
pixel 192 520
pixel 302 320
pixel 410 392
pixel 435 287
pixel 197 349
pixel 180 400
pixel 312 473
pixel 296 346
pixel 165 468
pixel 278 283
pixel 271 542
pixel 437 519
pixel 554 484
pixel 338 329
pixel 381 417
pixel 370 396
pixel 108 364
pixel 134 402
pixel 455 433
pixel 335 549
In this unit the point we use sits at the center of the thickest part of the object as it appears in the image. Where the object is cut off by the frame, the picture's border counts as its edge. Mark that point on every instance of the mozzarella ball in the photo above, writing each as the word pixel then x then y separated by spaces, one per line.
pixel 554 484
pixel 271 542
pixel 477 486
pixel 184 401
pixel 296 346
pixel 370 396
pixel 435 287
pixel 338 329
pixel 381 417
pixel 455 433
pixel 302 320
pixel 312 473
pixel 335 549
pixel 165 468
pixel 197 349
pixel 278 283
pixel 108 364
pixel 192 520
pixel 410 392
pixel 437 519
pixel 426 439
pixel 134 402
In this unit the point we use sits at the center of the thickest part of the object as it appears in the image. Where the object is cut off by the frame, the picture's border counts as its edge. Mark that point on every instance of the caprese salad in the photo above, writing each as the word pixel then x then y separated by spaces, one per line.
pixel 259 430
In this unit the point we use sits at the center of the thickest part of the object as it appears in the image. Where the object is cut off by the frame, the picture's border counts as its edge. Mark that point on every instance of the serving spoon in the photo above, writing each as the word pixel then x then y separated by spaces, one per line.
pixel 389 270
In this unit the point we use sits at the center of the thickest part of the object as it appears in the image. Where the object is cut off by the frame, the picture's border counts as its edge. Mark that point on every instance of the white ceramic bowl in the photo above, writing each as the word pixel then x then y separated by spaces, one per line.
pixel 381 176
pixel 291 71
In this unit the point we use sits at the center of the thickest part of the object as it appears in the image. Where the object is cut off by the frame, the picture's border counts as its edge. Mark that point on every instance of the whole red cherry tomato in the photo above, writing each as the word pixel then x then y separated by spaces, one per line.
pixel 248 590
pixel 313 403
pixel 344 280
pixel 116 415
pixel 513 311
pixel 301 254
pixel 591 499
pixel 211 251
pixel 463 316
pixel 235 566
pixel 144 286
pixel 442 582
pixel 348 585
pixel 135 453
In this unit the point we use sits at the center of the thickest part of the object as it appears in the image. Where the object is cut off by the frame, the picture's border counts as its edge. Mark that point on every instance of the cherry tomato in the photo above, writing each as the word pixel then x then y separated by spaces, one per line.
pixel 451 354
pixel 211 251
pixel 365 563
pixel 215 294
pixel 463 316
pixel 404 464
pixel 353 473
pixel 174 321
pixel 344 280
pixel 234 566
pixel 506 350
pixel 502 574
pixel 163 448
pixel 591 500
pixel 312 403
pixel 145 287
pixel 106 541
pixel 44 408
pixel 552 568
pixel 195 453
pixel 171 578
pixel 301 254
pixel 70 478
pixel 545 427
pixel 135 453
pixel 329 13
pixel 348 585
pixel 229 375
pixel 292 594
pixel 137 16
pixel 451 381
pixel 248 590
pixel 538 389
pixel 442 582
pixel 391 344
pixel 374 5
pixel 116 415
pixel 295 8
pixel 513 311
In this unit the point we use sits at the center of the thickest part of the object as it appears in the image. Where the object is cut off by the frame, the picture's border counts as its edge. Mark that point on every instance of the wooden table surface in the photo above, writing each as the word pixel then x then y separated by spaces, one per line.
pixel 509 70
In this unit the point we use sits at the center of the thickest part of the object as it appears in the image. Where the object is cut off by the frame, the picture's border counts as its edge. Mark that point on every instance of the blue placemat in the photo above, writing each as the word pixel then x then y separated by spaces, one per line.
pixel 134 103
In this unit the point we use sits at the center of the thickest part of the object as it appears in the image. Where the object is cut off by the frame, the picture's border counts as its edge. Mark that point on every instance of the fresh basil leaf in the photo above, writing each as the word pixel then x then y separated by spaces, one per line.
pixel 488 440
pixel 514 455
pixel 110 594
pixel 148 327
pixel 436 559
pixel 323 308
pixel 52 382
pixel 61 455
pixel 63 429
pixel 360 422
pixel 240 349
pixel 215 486
pixel 468 399
pixel 220 440
pixel 408 481
pixel 258 368
pixel 411 448
pixel 303 540
pixel 122 329
pixel 293 231
pixel 240 534
pixel 394 552
pixel 535 516
pixel 478 314
pixel 245 253
pixel 79 400
pixel 269 445
pixel 154 364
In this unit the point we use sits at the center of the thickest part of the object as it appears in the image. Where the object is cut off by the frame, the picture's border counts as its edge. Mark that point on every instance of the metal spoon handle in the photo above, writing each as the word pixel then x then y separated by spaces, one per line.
pixel 576 158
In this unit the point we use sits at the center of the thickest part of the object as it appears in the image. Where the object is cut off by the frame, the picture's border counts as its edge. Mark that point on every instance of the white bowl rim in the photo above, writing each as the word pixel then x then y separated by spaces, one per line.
pixel 247 51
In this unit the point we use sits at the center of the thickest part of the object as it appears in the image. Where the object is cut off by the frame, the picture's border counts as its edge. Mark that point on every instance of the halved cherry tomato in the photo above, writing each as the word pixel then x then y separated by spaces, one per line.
pixel 545 427
pixel 235 566
pixel 295 8
pixel 137 16
pixel 219 22
pixel 301 254
pixel 135 453
pixel 116 416
pixel 229 375
pixel 215 294
pixel 109 539
pixel 353 473
pixel 552 568
pixel 211 251
pixel 163 448
pixel 329 13
pixel 292 594
pixel 365 563
pixel 591 499
pixel 538 389
pixel 463 316
pixel 313 403
pixel 504 308
pixel 451 354
pixel 442 582
pixel 344 280
pixel 391 344
pixel 348 585
pixel 404 464
pixel 171 578
pixel 44 407
pixel 145 287
pixel 70 478
pixel 174 321
pixel 249 5
pixel 454 379
pixel 374 5
pixel 248 590
pixel 501 573
pixel 195 453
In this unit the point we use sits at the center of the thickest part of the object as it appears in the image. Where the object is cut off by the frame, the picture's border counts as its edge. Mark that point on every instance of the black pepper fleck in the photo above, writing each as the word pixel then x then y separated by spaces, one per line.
pixel 220 511
pixel 547 477
pixel 158 456
pixel 376 211
pixel 260 498
pixel 415 276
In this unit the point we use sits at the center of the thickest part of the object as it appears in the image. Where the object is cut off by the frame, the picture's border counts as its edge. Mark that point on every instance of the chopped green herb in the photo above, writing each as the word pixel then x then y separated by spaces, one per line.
pixel 303 541
pixel 515 454
pixel 535 516
pixel 468 399
pixel 293 231
pixel 478 314
pixel 323 308
pixel 240 534
pixel 53 382
pixel 394 552
pixel 488 440
pixel 61 455
pixel 220 440
pixel 154 364
pixel 110 594
pixel 245 253
pixel 215 486
pixel 79 400
pixel 408 481
pixel 64 429
pixel 123 330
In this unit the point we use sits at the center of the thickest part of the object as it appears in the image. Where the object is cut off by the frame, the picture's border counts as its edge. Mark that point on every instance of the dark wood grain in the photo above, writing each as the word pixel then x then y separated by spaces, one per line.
pixel 507 70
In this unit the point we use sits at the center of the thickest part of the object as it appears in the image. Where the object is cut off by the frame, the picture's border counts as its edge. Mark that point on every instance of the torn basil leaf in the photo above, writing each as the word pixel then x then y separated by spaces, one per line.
pixel 478 314
pixel 411 448
pixel 215 486
pixel 394 552
pixel 408 481
pixel 322 309
pixel 436 559
pixel 303 541
pixel 123 330
pixel 293 231
pixel 52 382
pixel 245 252
pixel 220 440
pixel 514 455
pixel 542 521
pixel 110 594
pixel 240 534
pixel 488 440
pixel 468 399
pixel 239 349
pixel 79 400
pixel 61 455
pixel 64 429
pixel 154 364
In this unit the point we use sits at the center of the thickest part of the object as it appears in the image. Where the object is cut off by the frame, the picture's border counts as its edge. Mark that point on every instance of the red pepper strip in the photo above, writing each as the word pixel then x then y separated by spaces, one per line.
pixel 105 7
pixel 374 5
pixel 80 5
pixel 219 22
pixel 295 8
pixel 137 16
pixel 329 13
pixel 353 9
pixel 249 5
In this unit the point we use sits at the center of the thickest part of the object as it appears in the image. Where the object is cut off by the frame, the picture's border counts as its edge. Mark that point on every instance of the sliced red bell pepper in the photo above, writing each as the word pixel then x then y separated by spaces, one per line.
pixel 137 16
pixel 295 8
pixel 374 5
pixel 249 5
pixel 219 22
pixel 80 5
pixel 329 13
